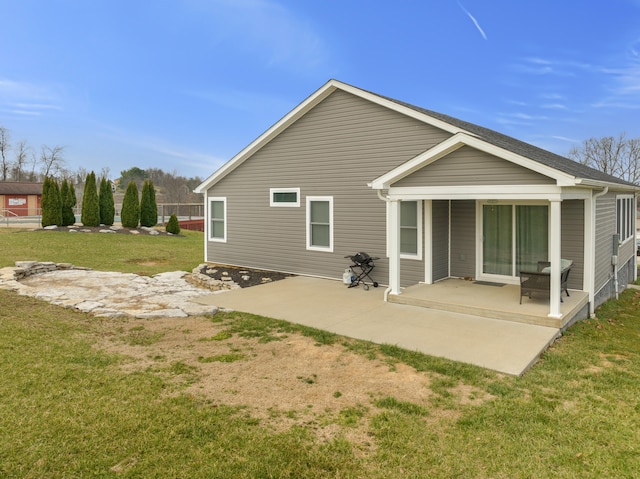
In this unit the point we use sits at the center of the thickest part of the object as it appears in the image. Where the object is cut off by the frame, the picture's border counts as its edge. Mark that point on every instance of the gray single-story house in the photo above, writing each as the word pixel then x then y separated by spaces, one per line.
pixel 432 196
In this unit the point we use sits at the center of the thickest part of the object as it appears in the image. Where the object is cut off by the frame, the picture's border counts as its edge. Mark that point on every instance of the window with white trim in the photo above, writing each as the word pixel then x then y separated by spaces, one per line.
pixel 320 223
pixel 410 230
pixel 624 217
pixel 287 197
pixel 218 219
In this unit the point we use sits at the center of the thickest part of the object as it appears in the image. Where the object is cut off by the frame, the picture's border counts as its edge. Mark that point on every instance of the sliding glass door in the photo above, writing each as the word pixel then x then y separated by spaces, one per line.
pixel 497 248
pixel 514 238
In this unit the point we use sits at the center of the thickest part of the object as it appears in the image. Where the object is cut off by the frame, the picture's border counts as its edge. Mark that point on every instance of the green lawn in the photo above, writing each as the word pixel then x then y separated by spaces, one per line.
pixel 68 409
pixel 140 254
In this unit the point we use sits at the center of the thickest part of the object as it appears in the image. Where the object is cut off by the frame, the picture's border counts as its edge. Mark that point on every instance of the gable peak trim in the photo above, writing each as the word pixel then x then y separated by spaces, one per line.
pixel 456 142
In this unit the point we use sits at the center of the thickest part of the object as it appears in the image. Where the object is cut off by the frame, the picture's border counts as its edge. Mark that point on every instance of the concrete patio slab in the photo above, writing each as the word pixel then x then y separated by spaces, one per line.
pixel 504 346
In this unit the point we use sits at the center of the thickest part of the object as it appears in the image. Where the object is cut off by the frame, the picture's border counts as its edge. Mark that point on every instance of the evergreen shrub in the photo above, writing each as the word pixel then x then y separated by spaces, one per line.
pixel 130 214
pixel 107 206
pixel 172 225
pixel 68 200
pixel 90 203
pixel 50 203
pixel 148 206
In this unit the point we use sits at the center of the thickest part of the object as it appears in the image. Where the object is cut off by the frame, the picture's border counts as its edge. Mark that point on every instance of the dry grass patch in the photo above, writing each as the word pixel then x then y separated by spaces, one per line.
pixel 288 380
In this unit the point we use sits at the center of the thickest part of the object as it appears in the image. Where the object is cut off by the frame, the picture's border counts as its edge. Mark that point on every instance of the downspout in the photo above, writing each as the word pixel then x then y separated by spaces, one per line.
pixel 387 201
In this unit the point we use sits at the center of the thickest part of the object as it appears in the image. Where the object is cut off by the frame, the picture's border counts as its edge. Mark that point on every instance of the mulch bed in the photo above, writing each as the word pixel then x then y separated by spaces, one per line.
pixel 243 277
pixel 116 229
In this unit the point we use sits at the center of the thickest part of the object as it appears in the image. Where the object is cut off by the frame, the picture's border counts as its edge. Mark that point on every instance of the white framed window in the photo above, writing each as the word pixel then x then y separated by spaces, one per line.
pixel 218 219
pixel 410 230
pixel 320 223
pixel 287 197
pixel 624 217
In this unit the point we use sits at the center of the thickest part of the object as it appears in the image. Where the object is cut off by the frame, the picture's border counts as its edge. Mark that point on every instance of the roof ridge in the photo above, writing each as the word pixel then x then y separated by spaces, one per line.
pixel 496 138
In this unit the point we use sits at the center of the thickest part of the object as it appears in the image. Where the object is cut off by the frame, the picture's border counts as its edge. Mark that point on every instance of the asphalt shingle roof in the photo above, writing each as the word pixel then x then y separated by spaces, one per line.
pixel 513 145
pixel 20 188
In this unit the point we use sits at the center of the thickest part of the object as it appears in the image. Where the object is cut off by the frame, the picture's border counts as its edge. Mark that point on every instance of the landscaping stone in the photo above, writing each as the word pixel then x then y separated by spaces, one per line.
pixel 106 294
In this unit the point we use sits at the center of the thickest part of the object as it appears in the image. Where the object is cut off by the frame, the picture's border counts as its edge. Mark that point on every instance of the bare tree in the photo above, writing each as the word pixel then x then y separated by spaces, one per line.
pixel 21 158
pixel 51 159
pixel 80 175
pixel 105 173
pixel 619 156
pixel 5 146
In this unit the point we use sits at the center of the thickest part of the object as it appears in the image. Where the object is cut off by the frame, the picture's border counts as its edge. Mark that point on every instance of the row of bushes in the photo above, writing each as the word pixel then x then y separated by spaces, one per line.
pixel 98 206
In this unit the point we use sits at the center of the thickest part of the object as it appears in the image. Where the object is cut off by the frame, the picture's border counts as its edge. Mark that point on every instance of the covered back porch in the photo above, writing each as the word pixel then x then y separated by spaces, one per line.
pixel 487 215
pixel 476 249
pixel 494 300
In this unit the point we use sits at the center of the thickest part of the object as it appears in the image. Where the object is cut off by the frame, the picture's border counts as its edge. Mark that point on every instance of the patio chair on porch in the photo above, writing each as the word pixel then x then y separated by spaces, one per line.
pixel 540 281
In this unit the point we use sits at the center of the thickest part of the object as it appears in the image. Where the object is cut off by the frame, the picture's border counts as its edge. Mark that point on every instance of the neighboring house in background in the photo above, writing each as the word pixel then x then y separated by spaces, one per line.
pixel 20 199
pixel 434 197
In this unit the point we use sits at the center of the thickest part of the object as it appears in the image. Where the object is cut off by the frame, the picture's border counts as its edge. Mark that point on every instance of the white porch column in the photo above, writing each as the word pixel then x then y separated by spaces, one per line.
pixel 554 258
pixel 394 246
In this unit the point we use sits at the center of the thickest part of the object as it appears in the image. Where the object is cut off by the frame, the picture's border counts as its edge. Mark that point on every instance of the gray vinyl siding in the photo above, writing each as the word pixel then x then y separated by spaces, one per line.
pixel 463 239
pixel 605 229
pixel 606 215
pixel 572 237
pixel 468 166
pixel 440 238
pixel 334 150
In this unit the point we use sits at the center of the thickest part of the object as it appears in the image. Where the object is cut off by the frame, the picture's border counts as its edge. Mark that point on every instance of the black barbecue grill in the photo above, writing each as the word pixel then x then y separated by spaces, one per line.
pixel 362 265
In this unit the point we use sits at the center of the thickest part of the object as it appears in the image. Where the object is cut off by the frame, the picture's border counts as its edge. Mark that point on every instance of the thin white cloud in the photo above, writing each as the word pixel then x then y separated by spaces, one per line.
pixel 37 106
pixel 266 29
pixel 178 154
pixel 554 106
pixel 525 116
pixel 551 96
pixel 473 19
pixel 22 113
pixel 564 138
pixel 242 100
pixel 26 99
pixel 540 66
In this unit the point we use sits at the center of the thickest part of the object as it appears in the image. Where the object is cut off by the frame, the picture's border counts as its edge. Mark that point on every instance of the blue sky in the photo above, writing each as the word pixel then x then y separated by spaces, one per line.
pixel 185 84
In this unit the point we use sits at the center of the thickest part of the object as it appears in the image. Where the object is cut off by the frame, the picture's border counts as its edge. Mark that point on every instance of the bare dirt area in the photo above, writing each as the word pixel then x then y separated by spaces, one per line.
pixel 288 381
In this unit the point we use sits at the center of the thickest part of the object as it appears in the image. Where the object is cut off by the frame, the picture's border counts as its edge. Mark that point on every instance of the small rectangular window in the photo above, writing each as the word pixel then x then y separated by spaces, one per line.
pixel 284 197
pixel 320 223
pixel 218 219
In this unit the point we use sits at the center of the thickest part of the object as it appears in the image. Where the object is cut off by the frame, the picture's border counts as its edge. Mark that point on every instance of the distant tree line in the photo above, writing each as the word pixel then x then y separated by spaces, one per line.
pixel 175 188
pixel 617 156
pixel 27 164
pixel 21 162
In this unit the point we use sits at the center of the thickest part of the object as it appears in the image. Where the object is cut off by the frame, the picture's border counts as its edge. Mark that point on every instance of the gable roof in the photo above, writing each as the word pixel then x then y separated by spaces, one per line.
pixel 20 188
pixel 581 174
pixel 558 162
